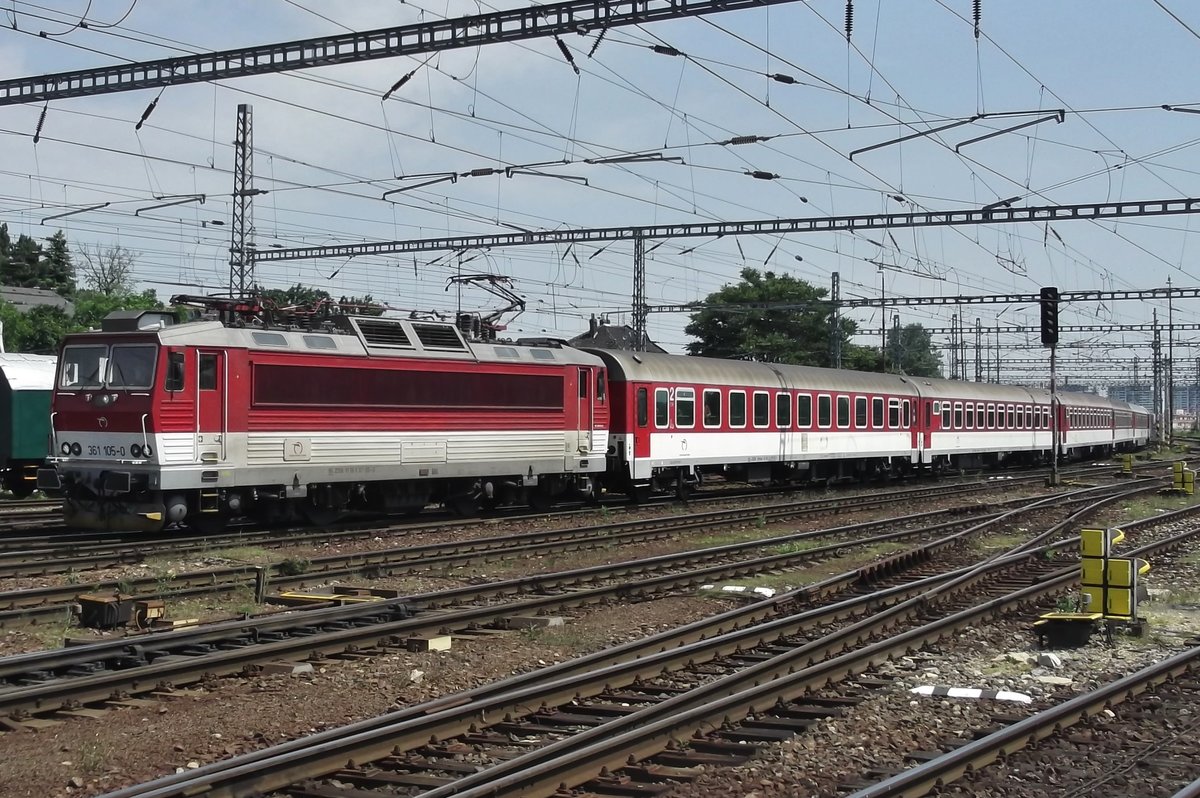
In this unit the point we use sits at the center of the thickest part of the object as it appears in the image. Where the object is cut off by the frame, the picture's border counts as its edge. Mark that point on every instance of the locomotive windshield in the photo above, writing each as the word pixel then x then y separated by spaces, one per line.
pixel 83 367
pixel 86 367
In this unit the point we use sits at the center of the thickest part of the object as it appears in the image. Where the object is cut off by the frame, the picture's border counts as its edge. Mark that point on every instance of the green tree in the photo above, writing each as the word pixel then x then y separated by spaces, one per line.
pixel 770 318
pixel 92 306
pixel 23 266
pixel 57 270
pixel 911 351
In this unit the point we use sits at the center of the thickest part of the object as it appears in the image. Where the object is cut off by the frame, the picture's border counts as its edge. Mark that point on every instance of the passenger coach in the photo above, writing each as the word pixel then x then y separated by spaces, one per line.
pixel 676 418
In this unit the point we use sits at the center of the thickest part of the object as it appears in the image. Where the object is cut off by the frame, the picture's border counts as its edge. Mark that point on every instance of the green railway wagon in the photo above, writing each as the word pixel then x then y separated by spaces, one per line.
pixel 26 382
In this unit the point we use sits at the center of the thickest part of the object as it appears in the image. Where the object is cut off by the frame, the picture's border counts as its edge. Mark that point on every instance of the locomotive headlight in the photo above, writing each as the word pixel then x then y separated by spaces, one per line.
pixel 76 449
pixel 136 451
pixel 65 448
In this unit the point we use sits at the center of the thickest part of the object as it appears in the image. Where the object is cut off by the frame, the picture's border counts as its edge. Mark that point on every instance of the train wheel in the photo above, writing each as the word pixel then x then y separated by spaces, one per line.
pixel 321 516
pixel 206 523
pixel 463 505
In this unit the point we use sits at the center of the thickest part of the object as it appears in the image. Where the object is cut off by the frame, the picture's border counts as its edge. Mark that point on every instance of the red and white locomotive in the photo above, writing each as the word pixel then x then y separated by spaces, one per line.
pixel 156 423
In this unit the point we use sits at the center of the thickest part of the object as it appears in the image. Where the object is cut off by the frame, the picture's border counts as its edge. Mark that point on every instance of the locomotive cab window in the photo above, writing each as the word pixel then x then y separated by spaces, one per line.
pixel 685 407
pixel 176 375
pixel 762 409
pixel 737 408
pixel 208 372
pixel 843 412
pixel 712 408
pixel 132 367
pixel 584 379
pixel 860 412
pixel 877 413
pixel 601 386
pixel 824 411
pixel 83 367
pixel 783 410
pixel 643 409
pixel 804 410
pixel 661 408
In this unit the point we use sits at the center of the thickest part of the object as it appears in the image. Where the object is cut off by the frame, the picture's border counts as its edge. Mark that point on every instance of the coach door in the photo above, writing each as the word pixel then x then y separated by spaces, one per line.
pixel 586 411
pixel 211 429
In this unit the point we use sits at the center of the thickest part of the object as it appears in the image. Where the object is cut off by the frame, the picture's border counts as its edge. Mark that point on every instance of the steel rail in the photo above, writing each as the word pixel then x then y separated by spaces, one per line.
pixel 325 752
pixel 51 561
pixel 52 599
pixel 646 732
pixel 949 767
pixel 371 624
pixel 612 668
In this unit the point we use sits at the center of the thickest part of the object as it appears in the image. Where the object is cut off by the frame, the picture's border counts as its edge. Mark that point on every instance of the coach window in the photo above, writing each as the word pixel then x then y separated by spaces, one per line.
pixel 208 372
pixel 969 416
pixel 946 416
pixel 824 411
pixel 1020 417
pixel 958 420
pixel 737 408
pixel 762 409
pixel 804 410
pixel 877 413
pixel 860 412
pixel 783 410
pixel 930 409
pixel 643 410
pixel 662 406
pixel 980 416
pixel 685 407
pixel 907 414
pixel 1011 418
pixel 893 413
pixel 176 375
pixel 712 408
pixel 843 412
pixel 991 416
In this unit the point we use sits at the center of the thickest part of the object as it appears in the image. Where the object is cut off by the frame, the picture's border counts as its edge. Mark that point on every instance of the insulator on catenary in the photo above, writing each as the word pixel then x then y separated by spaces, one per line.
pixel 566 54
pixel 976 14
pixel 663 49
pixel 849 18
pixel 761 175
pixel 747 139
pixel 146 114
pixel 482 172
pixel 781 78
pixel 398 84
pixel 596 44
pixel 37 134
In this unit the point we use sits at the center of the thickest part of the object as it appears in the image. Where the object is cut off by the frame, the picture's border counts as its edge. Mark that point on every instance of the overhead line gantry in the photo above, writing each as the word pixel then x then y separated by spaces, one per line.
pixel 516 24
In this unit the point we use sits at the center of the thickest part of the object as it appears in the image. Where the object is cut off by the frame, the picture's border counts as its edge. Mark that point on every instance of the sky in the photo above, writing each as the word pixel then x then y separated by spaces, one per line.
pixel 328 147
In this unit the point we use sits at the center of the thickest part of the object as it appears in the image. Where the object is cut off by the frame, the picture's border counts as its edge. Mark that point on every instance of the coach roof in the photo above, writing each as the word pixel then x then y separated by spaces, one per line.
pixel 648 367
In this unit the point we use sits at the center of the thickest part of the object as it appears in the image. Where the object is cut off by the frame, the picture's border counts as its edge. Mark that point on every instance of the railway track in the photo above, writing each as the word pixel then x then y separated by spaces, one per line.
pixel 49 680
pixel 51 600
pixel 1149 745
pixel 122 548
pixel 719 696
